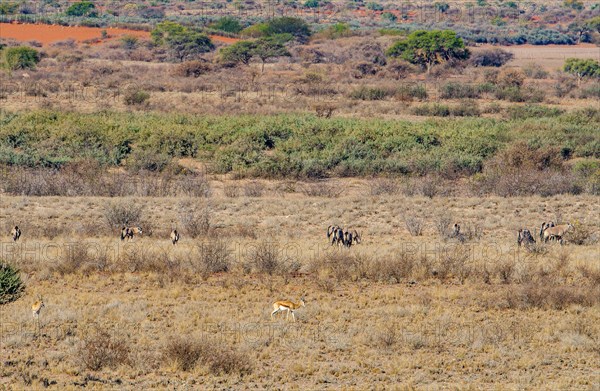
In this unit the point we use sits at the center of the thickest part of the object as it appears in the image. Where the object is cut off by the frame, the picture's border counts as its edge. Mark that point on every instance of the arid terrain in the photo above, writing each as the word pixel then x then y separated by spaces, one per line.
pixel 444 313
pixel 171 169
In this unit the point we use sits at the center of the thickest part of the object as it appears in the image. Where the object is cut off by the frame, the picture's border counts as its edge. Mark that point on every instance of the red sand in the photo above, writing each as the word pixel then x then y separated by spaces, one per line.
pixel 47 34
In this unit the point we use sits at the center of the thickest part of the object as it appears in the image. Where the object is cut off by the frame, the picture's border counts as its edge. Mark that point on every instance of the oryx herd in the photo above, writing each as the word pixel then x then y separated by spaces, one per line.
pixel 341 237
pixel 548 231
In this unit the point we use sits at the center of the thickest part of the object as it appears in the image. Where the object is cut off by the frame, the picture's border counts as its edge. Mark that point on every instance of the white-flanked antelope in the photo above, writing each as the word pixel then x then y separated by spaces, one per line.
pixel 557 232
pixel 37 307
pixel 174 236
pixel 129 232
pixel 15 233
pixel 288 306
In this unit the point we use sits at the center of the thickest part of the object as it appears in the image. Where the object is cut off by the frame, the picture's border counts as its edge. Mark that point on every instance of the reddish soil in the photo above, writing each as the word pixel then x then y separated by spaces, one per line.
pixel 47 34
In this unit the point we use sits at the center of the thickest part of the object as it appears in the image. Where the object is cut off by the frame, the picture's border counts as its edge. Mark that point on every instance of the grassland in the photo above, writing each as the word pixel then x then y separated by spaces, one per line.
pixel 413 312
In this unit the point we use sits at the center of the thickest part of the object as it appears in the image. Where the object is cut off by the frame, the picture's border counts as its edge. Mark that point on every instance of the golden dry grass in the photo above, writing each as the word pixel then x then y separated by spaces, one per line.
pixel 358 332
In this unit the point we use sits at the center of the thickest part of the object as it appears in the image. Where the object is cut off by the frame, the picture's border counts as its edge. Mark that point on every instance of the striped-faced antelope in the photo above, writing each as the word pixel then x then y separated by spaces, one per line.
pixel 557 232
pixel 15 233
pixel 129 232
pixel 524 237
pixel 545 226
pixel 174 236
pixel 288 306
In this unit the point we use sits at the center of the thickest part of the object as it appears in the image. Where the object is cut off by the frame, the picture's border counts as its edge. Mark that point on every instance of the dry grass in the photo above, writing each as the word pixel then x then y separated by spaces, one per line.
pixel 415 311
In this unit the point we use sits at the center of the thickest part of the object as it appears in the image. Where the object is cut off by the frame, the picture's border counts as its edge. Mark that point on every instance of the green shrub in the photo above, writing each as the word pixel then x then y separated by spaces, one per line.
pixel 227 24
pixel 369 93
pixel 435 109
pixel 21 57
pixel 454 90
pixel 533 111
pixel 136 97
pixel 11 286
pixel 83 8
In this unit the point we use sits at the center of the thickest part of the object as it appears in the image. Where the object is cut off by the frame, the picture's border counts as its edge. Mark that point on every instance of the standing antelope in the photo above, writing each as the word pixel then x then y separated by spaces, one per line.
pixel 174 236
pixel 524 237
pixel 36 308
pixel 128 232
pixel 288 306
pixel 557 232
pixel 15 233
pixel 545 226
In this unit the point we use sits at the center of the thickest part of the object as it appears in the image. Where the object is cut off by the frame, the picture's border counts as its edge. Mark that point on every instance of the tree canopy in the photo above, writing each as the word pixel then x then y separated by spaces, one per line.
pixel 263 48
pixel 427 48
pixel 582 67
pixel 21 57
pixel 183 43
pixel 83 8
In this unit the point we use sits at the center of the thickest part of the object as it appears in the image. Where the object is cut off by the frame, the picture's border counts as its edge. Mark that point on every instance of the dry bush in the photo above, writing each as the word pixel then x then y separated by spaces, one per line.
pixel 254 189
pixel 343 266
pixel 195 218
pixel 324 110
pixel 471 231
pixel 546 296
pixel 194 185
pixel 231 190
pixel 136 257
pixel 266 257
pixel 582 234
pixel 100 349
pixel 591 273
pixel 219 359
pixel 117 213
pixel 414 224
pixel 192 69
pixel 74 257
pixel 322 189
pixel 442 225
pixel 454 262
pixel 384 186
pixel 387 337
pixel 212 257
pixel 394 269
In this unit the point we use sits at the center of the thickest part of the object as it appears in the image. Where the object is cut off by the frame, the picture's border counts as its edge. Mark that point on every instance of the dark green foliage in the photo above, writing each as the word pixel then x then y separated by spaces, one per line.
pixel 21 57
pixel 582 67
pixel 295 146
pixel 183 43
pixel 11 286
pixel 227 24
pixel 83 8
pixel 298 28
pixel 427 48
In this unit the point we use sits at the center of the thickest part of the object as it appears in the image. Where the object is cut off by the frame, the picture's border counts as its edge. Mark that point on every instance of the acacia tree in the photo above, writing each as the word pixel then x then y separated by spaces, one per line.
pixel 269 47
pixel 183 43
pixel 239 52
pixel 582 68
pixel 427 48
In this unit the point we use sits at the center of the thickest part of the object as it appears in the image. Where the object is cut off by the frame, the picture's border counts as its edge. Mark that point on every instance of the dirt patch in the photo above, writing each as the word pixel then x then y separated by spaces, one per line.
pixel 47 34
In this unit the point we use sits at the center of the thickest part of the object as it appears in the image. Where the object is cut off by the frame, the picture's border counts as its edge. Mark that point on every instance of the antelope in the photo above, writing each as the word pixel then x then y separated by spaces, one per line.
pixel 288 306
pixel 15 233
pixel 174 236
pixel 37 307
pixel 545 226
pixel 128 232
pixel 456 230
pixel 557 232
pixel 524 237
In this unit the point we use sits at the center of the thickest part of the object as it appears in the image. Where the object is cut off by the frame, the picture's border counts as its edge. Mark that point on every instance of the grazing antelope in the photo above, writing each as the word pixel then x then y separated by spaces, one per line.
pixel 331 230
pixel 15 233
pixel 557 232
pixel 129 232
pixel 288 306
pixel 338 237
pixel 545 226
pixel 456 230
pixel 174 236
pixel 524 237
pixel 37 307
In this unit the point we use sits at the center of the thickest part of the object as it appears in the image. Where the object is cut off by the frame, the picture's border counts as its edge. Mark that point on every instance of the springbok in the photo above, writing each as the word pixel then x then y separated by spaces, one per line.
pixel 288 306
pixel 557 232
pixel 37 307
pixel 129 232
pixel 174 236
pixel 15 233
pixel 524 237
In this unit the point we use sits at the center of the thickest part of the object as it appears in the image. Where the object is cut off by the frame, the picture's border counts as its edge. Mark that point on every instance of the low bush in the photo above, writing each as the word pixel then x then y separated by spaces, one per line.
pixel 490 58
pixel 370 93
pixel 100 349
pixel 11 285
pixel 220 359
